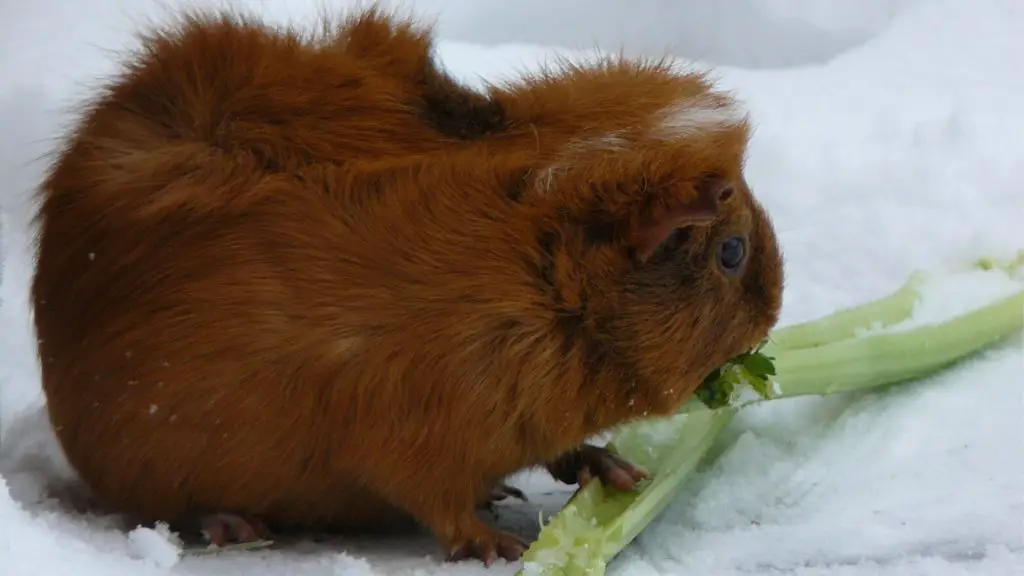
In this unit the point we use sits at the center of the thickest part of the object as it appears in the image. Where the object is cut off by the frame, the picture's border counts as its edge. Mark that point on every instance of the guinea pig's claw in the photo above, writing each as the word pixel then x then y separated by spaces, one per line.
pixel 225 528
pixel 503 491
pixel 488 548
pixel 499 493
pixel 588 461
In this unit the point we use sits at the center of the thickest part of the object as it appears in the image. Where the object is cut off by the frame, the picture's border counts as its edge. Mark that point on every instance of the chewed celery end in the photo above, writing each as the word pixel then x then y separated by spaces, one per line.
pixel 571 544
pixel 725 386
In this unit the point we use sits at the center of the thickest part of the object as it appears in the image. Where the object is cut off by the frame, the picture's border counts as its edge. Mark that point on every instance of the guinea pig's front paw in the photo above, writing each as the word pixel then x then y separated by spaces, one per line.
pixel 582 464
pixel 499 493
pixel 487 545
pixel 503 491
pixel 223 529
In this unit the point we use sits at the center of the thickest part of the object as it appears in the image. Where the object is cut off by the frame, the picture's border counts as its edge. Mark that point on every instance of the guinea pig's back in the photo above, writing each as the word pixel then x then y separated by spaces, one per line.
pixel 151 411
pixel 218 86
pixel 173 348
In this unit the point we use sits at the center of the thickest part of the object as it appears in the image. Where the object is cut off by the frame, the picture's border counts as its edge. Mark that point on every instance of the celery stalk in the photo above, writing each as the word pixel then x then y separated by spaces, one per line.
pixel 820 357
pixel 846 323
pixel 599 522
pixel 895 356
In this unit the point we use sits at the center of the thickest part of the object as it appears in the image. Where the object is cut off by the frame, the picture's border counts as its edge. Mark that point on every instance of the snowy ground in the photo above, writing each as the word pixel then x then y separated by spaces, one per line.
pixel 889 139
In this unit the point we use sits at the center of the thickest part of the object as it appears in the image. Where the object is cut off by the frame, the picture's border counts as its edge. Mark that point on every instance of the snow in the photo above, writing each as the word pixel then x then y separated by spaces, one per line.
pixel 888 140
pixel 159 545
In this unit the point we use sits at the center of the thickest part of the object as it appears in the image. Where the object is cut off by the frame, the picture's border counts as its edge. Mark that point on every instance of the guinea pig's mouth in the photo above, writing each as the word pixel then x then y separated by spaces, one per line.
pixel 758 343
pixel 718 387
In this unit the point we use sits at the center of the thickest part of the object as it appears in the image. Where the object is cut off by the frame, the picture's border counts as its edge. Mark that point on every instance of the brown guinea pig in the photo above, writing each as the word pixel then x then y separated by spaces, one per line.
pixel 313 283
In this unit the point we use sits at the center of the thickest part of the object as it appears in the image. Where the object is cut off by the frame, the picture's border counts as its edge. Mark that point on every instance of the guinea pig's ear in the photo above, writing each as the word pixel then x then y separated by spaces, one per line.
pixel 701 209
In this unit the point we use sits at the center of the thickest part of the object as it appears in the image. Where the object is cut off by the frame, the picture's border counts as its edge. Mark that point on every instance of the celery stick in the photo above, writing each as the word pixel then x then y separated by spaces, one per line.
pixel 599 522
pixel 880 313
pixel 893 357
pixel 848 322
pixel 696 432
pixel 821 357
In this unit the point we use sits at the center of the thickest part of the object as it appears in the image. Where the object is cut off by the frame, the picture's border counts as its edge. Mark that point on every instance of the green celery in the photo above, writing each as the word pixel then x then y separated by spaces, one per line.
pixel 820 357
pixel 846 323
pixel 598 520
pixel 895 356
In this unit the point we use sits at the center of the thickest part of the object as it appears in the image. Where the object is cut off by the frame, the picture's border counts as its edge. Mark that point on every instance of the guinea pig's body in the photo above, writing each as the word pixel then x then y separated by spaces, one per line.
pixel 296 283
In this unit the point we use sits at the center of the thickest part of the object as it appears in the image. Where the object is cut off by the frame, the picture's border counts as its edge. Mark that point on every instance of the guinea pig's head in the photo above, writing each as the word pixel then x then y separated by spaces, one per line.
pixel 654 243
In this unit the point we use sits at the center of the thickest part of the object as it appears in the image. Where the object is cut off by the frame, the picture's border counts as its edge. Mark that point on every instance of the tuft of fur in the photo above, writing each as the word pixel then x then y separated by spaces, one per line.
pixel 315 281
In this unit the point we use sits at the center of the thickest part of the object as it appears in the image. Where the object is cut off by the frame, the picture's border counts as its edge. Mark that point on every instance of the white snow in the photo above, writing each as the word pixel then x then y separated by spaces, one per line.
pixel 159 545
pixel 888 139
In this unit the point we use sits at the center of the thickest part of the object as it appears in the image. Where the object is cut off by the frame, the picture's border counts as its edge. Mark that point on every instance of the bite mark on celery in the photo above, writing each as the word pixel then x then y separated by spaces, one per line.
pixel 725 385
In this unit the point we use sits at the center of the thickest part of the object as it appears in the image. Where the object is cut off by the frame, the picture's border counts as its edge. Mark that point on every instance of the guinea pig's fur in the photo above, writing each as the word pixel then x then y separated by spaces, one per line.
pixel 313 280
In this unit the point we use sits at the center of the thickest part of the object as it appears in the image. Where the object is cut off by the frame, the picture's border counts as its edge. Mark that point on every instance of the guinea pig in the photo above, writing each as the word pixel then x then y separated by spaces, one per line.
pixel 310 282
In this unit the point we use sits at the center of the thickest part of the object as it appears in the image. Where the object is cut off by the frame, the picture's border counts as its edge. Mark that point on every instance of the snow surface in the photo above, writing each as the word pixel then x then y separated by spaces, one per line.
pixel 889 140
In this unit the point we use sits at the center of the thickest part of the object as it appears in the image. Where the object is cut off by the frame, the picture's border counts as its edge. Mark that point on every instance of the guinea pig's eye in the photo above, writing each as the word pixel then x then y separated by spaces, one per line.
pixel 731 254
